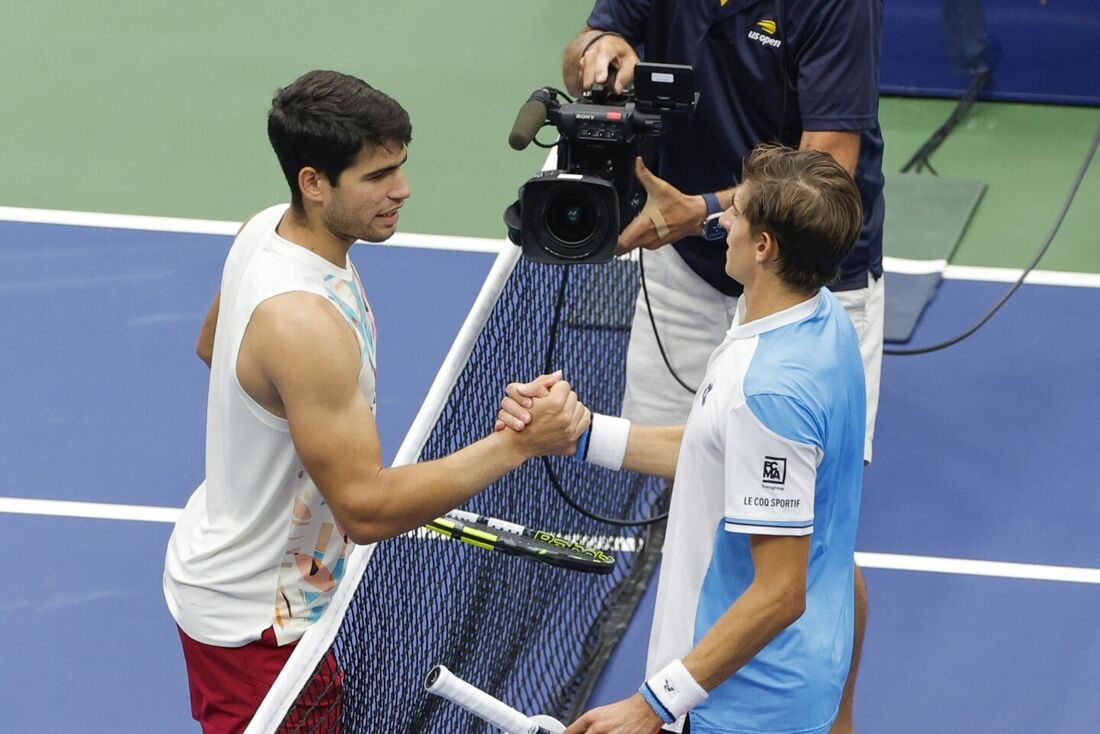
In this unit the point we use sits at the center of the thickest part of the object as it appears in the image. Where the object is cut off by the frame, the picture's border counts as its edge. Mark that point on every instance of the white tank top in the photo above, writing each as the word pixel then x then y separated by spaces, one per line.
pixel 257 546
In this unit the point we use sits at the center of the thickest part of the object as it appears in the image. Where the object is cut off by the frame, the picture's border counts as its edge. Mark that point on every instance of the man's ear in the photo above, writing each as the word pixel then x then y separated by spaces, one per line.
pixel 766 247
pixel 313 184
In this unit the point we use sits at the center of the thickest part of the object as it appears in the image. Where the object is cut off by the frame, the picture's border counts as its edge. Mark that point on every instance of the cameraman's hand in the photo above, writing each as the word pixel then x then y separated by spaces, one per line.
pixel 515 407
pixel 601 56
pixel 668 214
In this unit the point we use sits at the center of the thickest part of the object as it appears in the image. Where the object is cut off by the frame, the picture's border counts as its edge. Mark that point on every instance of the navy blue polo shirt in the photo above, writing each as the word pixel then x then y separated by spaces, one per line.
pixel 766 70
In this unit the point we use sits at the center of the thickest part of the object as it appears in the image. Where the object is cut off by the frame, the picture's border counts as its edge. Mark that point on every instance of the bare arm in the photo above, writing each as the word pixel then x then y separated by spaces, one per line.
pixel 774 600
pixel 843 145
pixel 653 450
pixel 301 345
pixel 683 213
pixel 205 345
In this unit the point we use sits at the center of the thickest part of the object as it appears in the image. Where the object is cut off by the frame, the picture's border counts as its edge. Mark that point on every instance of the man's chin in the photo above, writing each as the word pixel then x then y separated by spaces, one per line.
pixel 376 237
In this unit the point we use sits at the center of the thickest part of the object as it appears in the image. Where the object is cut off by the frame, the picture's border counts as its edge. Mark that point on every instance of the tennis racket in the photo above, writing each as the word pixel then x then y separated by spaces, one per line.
pixel 517 540
pixel 443 682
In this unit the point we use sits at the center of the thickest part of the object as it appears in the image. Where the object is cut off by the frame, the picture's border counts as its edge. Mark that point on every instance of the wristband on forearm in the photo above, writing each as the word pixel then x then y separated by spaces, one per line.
pixel 672 692
pixel 604 443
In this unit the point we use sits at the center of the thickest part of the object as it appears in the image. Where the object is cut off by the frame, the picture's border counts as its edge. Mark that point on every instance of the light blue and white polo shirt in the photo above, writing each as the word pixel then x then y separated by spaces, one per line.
pixel 773 446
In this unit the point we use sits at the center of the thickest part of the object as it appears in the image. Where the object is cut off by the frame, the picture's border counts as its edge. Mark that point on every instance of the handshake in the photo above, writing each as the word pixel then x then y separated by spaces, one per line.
pixel 543 417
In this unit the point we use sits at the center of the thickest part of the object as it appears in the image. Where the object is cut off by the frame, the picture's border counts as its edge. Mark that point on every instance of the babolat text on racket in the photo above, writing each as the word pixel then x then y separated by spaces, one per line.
pixel 443 682
pixel 517 540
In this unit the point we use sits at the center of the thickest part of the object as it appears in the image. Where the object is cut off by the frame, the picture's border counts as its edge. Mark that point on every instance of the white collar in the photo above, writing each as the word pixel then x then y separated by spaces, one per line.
pixel 790 315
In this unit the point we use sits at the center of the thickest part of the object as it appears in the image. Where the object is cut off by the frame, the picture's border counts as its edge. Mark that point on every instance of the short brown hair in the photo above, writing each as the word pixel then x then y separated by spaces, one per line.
pixel 809 204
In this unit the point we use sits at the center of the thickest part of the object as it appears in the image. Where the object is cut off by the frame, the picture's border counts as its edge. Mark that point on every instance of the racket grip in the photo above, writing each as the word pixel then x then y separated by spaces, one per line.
pixel 443 682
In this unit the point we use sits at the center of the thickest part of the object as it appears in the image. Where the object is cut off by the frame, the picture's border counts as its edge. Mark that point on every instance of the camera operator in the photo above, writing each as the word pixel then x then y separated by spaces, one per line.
pixel 804 74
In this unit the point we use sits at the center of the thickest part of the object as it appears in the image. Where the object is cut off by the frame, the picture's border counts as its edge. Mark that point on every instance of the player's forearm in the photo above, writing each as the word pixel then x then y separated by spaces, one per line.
pixel 398 499
pixel 653 450
pixel 750 623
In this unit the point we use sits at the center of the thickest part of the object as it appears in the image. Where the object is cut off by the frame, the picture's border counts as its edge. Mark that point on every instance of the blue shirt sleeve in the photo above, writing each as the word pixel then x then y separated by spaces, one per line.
pixel 627 17
pixel 838 63
pixel 788 418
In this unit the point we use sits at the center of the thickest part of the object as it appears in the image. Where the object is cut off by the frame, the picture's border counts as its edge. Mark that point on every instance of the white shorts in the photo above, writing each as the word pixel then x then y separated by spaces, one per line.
pixel 692 320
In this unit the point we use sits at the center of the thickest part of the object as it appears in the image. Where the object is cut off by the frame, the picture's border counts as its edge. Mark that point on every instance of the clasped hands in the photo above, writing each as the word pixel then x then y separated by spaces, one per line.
pixel 545 415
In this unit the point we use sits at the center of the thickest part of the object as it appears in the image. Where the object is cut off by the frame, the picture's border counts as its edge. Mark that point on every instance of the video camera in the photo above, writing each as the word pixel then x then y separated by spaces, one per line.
pixel 574 214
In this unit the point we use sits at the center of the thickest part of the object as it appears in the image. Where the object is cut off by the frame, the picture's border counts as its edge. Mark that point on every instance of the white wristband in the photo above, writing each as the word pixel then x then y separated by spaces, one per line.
pixel 672 692
pixel 607 441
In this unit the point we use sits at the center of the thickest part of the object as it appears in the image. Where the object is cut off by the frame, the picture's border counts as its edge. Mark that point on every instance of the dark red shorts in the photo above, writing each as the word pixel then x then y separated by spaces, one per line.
pixel 228 684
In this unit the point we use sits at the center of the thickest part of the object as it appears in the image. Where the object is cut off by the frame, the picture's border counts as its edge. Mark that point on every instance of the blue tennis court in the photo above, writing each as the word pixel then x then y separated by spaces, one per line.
pixel 984 452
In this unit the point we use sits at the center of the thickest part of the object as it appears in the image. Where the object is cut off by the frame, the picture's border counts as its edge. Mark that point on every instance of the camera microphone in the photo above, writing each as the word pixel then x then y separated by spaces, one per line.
pixel 531 118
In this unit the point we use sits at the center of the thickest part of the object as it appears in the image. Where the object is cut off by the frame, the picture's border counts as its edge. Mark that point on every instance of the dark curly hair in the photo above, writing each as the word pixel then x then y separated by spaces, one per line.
pixel 324 118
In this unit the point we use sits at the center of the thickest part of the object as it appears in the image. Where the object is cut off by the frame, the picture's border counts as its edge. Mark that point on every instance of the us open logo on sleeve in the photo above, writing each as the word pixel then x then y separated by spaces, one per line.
pixel 775 470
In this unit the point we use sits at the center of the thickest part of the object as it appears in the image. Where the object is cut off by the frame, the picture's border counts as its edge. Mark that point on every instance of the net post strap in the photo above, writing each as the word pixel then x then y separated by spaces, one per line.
pixel 317 640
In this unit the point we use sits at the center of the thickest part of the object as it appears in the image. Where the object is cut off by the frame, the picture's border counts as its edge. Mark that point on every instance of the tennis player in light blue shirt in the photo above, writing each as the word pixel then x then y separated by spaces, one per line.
pixel 752 630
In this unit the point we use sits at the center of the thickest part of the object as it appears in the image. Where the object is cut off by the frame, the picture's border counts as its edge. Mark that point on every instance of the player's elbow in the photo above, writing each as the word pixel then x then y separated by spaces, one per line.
pixel 362 531
pixel 365 534
pixel 786 600
pixel 791 601
pixel 205 352
pixel 362 526
pixel 368 520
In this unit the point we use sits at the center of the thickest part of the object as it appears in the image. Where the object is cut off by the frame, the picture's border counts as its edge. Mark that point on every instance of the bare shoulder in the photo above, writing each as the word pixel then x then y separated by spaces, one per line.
pixel 300 338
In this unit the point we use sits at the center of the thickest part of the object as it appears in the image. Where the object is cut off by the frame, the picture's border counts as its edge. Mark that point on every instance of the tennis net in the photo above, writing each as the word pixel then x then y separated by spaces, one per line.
pixel 532 635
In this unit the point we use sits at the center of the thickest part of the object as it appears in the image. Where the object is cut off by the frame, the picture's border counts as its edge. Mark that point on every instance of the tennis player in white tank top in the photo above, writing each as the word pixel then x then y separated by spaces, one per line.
pixel 293 463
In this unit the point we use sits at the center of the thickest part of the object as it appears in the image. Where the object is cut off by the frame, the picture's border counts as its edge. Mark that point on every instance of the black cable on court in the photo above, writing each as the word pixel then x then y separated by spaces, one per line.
pixel 559 306
pixel 920 158
pixel 1027 270
pixel 656 336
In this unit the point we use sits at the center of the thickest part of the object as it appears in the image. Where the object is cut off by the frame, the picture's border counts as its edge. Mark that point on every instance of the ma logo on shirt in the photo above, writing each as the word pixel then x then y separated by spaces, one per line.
pixel 775 469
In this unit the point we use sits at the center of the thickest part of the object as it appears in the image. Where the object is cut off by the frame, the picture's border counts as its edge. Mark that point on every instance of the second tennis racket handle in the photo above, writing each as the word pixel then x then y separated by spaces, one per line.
pixel 443 682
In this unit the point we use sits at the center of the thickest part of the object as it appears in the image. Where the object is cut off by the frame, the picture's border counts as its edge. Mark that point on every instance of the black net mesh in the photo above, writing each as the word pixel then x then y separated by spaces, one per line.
pixel 532 635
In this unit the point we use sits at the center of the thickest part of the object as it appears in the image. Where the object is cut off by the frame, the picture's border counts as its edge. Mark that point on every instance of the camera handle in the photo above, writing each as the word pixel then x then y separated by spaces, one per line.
pixel 599 93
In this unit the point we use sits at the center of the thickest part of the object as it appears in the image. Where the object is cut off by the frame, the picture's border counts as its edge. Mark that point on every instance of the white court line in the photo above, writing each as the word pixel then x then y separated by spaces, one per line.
pixel 912 267
pixel 216 227
pixel 478 244
pixel 932 564
pixel 1035 277
pixel 888 561
pixel 990 275
pixel 95 510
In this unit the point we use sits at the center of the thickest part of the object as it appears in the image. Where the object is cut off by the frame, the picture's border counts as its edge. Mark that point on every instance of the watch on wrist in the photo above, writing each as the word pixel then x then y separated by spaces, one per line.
pixel 712 230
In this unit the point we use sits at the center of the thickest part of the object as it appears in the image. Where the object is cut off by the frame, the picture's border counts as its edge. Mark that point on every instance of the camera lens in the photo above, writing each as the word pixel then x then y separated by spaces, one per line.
pixel 566 218
pixel 571 219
